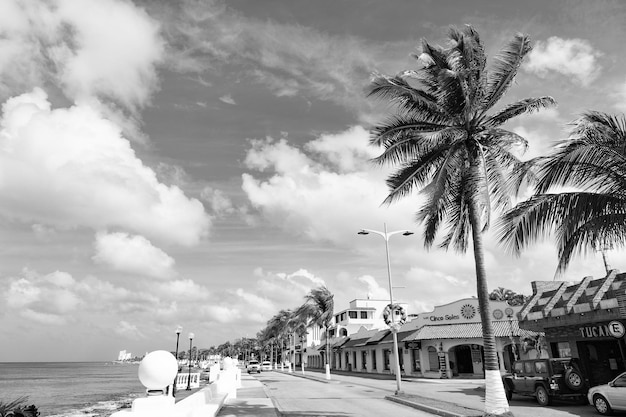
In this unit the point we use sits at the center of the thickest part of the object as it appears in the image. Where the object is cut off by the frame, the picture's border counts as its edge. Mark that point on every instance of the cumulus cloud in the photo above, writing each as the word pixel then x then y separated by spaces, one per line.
pixel 374 290
pixel 326 193
pixel 72 45
pixel 574 58
pixel 218 200
pixel 70 167
pixel 134 254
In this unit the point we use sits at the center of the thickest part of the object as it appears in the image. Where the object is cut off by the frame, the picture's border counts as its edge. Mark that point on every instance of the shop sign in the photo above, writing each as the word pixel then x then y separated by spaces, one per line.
pixel 614 329
pixel 413 344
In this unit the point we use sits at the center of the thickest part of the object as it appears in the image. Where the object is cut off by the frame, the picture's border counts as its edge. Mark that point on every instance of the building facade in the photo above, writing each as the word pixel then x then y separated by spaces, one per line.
pixel 586 320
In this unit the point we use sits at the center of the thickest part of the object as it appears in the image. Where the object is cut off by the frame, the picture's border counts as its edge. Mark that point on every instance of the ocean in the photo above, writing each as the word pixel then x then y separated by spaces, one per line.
pixel 71 389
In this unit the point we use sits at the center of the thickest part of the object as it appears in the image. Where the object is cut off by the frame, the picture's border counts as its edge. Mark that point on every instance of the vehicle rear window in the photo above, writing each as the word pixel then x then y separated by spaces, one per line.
pixel 558 367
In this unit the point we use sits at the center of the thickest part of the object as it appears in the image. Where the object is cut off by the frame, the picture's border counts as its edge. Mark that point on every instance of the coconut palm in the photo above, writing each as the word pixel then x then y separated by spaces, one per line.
pixel 278 327
pixel 318 308
pixel 448 143
pixel 593 161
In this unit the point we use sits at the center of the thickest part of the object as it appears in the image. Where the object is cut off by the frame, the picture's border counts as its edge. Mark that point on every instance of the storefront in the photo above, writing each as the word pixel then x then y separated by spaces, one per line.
pixel 586 320
pixel 451 339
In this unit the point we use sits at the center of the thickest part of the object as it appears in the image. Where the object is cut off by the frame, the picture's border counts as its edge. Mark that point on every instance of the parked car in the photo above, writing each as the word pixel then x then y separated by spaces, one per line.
pixel 266 366
pixel 254 366
pixel 547 379
pixel 609 397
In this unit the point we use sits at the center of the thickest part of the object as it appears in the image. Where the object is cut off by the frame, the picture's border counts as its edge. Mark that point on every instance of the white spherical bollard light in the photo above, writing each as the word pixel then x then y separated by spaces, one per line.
pixel 157 370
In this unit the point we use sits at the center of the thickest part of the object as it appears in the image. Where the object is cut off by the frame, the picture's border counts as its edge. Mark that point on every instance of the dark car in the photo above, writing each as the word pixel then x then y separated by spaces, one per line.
pixel 547 379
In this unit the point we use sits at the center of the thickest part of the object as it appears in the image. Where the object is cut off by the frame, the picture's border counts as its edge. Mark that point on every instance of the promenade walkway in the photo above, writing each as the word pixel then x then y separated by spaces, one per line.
pixel 251 400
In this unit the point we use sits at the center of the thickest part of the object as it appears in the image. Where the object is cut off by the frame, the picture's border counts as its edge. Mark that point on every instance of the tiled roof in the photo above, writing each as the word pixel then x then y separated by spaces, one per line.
pixel 401 336
pixel 377 337
pixel 466 331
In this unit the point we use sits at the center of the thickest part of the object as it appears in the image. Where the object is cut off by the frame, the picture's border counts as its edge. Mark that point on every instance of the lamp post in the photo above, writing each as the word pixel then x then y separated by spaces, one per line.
pixel 513 345
pixel 191 335
pixel 179 329
pixel 386 235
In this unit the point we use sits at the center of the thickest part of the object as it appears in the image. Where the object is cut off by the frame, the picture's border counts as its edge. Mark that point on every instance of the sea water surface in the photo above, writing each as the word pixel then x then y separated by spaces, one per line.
pixel 71 389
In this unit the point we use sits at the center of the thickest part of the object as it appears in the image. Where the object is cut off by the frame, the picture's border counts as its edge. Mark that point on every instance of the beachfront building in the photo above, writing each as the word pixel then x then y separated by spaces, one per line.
pixel 444 343
pixel 585 320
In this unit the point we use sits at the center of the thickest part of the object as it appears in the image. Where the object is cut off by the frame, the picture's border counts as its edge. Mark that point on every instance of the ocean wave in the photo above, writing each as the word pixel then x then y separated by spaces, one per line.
pixel 100 409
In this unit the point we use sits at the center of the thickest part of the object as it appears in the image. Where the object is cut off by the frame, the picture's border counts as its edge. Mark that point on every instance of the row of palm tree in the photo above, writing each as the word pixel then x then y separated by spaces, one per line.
pixel 317 309
pixel 447 141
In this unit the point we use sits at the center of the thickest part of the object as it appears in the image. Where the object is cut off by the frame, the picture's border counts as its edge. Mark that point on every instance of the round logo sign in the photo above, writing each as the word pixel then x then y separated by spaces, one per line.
pixel 498 314
pixel 616 329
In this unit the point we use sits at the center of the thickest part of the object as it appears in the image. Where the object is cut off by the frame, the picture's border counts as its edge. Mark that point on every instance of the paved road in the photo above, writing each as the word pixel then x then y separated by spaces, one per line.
pixel 302 396
pixel 299 397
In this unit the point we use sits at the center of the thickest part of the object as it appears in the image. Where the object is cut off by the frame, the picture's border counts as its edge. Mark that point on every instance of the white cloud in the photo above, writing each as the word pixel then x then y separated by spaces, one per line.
pixel 304 193
pixel 69 167
pixel 620 97
pixel 374 290
pixel 73 45
pixel 134 254
pixel 228 99
pixel 128 330
pixel 220 203
pixel 569 57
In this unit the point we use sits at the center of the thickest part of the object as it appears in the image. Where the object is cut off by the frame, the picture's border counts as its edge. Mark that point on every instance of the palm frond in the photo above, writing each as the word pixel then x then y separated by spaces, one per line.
pixel 527 105
pixel 504 68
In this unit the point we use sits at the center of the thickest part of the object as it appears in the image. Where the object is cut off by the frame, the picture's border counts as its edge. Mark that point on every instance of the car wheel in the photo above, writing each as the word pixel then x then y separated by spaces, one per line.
pixel 542 396
pixel 601 404
pixel 574 380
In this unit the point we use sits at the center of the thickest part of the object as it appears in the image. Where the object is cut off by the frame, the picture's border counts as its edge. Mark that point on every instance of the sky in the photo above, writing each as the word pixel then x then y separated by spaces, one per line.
pixel 205 164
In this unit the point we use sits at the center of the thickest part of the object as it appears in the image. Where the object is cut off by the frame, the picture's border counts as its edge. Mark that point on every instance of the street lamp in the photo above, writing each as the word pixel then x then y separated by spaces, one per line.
pixel 386 235
pixel 179 329
pixel 513 345
pixel 191 335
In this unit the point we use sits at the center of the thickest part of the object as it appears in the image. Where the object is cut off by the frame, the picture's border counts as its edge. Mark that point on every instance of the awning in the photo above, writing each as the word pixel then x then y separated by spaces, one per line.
pixel 467 331
pixel 401 335
pixel 355 343
pixel 377 337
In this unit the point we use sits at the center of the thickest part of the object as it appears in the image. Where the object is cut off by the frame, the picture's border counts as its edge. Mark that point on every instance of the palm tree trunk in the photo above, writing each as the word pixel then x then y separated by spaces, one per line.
pixel 495 397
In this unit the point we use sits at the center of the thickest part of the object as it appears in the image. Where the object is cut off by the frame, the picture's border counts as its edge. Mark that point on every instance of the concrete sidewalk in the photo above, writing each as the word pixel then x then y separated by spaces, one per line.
pixel 252 400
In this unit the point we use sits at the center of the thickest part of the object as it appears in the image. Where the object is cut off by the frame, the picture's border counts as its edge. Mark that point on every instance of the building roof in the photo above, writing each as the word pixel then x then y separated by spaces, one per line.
pixel 377 337
pixel 501 328
pixel 559 303
pixel 401 335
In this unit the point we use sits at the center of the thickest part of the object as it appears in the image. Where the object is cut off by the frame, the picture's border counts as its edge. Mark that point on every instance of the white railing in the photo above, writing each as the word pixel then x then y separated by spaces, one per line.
pixel 184 380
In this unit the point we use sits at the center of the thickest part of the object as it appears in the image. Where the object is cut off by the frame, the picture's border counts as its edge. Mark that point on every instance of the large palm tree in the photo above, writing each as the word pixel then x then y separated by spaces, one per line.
pixel 278 326
pixel 318 308
pixel 593 161
pixel 449 143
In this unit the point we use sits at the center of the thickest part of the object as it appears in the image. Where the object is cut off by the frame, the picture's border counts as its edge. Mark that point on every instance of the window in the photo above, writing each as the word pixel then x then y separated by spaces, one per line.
pixel 433 359
pixel 352 314
pixel 363 314
pixel 354 360
pixel 386 355
pixel 620 382
pixel 343 316
pixel 364 359
pixel 541 367
pixel 518 368
pixel 337 318
pixel 528 367
pixel 331 333
pixel 343 332
pixel 373 360
pixel 417 366
pixel 564 350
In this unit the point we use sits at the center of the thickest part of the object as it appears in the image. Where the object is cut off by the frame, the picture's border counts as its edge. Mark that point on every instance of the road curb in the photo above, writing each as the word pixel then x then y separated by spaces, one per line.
pixel 433 410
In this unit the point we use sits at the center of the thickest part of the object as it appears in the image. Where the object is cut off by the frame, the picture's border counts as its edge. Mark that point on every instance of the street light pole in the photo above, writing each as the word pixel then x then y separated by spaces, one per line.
pixel 179 329
pixel 394 330
pixel 191 335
